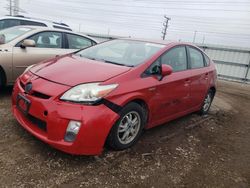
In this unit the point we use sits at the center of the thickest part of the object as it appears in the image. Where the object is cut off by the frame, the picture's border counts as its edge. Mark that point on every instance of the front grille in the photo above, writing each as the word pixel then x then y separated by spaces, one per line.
pixel 35 93
pixel 40 95
pixel 37 122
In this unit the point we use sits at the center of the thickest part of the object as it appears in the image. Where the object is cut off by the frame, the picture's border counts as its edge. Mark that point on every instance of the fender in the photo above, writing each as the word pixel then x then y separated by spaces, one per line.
pixel 6 64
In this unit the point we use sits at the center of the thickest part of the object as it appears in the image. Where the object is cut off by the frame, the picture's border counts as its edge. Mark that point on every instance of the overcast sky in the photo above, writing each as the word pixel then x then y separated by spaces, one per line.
pixel 225 22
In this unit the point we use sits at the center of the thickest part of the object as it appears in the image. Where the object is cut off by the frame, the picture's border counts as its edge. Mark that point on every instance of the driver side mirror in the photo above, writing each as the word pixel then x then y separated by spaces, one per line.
pixel 28 43
pixel 166 70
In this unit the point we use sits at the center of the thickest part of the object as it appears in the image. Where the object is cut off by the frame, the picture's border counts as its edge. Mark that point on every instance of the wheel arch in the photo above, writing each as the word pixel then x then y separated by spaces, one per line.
pixel 213 89
pixel 143 104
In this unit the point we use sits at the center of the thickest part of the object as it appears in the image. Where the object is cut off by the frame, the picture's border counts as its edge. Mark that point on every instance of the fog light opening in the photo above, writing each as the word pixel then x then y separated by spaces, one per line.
pixel 72 131
pixel 45 113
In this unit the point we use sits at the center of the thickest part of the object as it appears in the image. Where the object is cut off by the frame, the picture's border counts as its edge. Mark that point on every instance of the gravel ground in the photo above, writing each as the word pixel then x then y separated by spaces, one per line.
pixel 193 151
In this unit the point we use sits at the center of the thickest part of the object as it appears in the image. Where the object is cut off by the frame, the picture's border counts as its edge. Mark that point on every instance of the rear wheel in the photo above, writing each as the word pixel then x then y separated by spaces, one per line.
pixel 128 128
pixel 207 103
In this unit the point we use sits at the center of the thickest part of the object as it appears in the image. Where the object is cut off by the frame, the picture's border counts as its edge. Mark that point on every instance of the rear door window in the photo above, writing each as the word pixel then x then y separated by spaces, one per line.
pixel 176 58
pixel 78 42
pixel 196 58
pixel 48 39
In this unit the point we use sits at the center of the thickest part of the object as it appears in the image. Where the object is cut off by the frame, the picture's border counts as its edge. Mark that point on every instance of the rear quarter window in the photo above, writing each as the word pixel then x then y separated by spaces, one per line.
pixel 64 28
pixel 78 42
pixel 207 60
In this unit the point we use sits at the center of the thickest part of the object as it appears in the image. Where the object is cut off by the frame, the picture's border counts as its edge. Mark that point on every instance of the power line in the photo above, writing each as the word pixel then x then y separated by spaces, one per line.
pixel 13 7
pixel 194 36
pixel 136 16
pixel 166 3
pixel 150 19
pixel 125 20
pixel 9 7
pixel 16 7
pixel 213 2
pixel 123 24
pixel 168 8
pixel 121 13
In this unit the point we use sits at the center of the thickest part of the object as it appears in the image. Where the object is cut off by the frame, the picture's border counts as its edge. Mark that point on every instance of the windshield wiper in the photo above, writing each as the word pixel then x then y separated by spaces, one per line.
pixel 106 61
pixel 115 63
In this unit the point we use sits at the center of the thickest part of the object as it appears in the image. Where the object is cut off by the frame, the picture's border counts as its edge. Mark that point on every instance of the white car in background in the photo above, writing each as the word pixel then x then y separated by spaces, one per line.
pixel 10 21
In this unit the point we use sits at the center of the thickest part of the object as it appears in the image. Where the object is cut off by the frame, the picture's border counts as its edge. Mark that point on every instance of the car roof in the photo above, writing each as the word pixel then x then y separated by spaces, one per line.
pixel 157 41
pixel 47 22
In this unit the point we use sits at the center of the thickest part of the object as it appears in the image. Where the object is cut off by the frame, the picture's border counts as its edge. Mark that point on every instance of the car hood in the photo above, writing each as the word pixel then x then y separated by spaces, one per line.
pixel 72 70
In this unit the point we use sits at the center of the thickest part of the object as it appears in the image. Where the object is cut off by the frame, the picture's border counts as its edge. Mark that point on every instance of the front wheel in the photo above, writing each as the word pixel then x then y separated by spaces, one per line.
pixel 128 128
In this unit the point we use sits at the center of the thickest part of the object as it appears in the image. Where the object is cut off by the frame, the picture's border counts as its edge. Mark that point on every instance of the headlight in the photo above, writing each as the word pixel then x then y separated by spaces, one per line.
pixel 88 93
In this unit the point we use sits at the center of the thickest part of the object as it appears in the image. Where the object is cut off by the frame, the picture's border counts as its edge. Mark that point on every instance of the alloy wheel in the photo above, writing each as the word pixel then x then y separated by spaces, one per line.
pixel 207 102
pixel 129 127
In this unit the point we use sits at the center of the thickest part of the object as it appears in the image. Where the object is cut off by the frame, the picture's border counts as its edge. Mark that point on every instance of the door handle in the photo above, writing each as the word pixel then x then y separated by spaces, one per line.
pixel 187 82
pixel 206 76
pixel 152 89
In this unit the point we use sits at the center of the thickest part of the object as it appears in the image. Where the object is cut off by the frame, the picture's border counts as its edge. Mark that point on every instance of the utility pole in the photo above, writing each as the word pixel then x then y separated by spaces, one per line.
pixel 203 41
pixel 13 7
pixel 165 24
pixel 80 25
pixel 194 36
pixel 9 7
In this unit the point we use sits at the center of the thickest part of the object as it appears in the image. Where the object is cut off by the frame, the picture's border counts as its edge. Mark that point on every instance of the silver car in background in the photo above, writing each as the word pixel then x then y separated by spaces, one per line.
pixel 23 46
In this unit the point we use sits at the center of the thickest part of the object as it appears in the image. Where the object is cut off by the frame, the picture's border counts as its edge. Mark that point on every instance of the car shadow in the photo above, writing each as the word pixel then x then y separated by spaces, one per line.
pixel 165 137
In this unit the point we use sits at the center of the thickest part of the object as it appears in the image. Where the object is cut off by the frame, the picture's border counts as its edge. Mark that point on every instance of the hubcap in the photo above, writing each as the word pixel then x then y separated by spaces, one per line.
pixel 129 127
pixel 207 102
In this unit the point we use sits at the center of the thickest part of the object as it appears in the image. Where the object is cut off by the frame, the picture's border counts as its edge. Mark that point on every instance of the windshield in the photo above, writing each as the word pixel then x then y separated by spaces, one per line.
pixel 12 33
pixel 121 52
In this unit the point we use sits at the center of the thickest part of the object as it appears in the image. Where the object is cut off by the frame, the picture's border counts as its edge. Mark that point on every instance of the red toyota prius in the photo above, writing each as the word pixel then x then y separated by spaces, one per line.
pixel 109 93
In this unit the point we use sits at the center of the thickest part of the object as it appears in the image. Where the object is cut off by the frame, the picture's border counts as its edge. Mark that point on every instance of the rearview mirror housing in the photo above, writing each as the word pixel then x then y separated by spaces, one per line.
pixel 2 39
pixel 28 43
pixel 166 70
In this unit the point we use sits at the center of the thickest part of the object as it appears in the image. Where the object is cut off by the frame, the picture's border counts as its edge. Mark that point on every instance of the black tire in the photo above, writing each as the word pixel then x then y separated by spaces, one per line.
pixel 1 82
pixel 2 79
pixel 206 106
pixel 114 141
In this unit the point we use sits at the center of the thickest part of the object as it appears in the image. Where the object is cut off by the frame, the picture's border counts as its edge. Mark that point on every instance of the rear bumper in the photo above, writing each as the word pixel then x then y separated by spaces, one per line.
pixel 96 123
